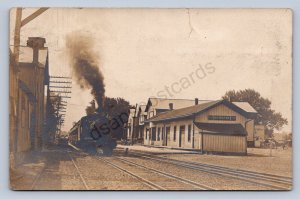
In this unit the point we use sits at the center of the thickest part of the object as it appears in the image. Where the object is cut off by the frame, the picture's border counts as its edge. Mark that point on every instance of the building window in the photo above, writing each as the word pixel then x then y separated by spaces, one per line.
pixel 158 133
pixel 182 129
pixel 153 132
pixel 189 133
pixel 147 132
pixel 174 136
pixel 151 114
pixel 222 117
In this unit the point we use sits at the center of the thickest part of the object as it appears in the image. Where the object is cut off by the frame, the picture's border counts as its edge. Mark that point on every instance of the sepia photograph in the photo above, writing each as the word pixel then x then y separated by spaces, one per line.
pixel 150 99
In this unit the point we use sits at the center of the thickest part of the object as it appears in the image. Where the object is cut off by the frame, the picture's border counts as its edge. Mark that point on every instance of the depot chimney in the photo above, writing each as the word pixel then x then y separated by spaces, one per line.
pixel 171 106
pixel 196 101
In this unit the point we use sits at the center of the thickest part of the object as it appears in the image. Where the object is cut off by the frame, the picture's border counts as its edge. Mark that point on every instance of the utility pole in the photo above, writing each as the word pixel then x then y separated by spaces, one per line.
pixel 134 123
pixel 60 88
pixel 17 34
pixel 19 24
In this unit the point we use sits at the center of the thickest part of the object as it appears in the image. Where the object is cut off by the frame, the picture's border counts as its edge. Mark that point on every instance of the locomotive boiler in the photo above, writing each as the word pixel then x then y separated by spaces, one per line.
pixel 96 134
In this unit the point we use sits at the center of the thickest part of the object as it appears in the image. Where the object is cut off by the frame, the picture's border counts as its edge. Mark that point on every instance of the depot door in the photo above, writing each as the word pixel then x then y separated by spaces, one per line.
pixel 181 136
pixel 167 135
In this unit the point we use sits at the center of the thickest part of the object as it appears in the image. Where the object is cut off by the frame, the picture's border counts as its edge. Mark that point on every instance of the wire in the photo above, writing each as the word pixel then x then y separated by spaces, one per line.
pixel 75 104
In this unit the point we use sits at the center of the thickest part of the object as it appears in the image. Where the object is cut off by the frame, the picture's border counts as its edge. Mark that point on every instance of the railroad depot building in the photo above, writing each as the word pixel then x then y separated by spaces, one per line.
pixel 138 115
pixel 209 126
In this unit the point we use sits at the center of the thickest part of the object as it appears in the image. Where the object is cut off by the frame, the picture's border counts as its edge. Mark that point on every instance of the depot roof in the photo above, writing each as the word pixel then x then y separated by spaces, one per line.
pixel 200 108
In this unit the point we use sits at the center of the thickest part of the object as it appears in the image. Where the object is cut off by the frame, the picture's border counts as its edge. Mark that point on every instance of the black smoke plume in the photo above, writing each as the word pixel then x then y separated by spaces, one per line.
pixel 85 64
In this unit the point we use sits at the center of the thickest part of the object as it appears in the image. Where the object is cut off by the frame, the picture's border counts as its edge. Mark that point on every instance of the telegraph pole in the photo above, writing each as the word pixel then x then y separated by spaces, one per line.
pixel 17 34
pixel 19 24
pixel 60 87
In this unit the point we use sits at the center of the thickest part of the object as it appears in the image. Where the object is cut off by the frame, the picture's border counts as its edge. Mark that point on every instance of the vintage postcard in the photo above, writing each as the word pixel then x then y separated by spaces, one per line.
pixel 150 99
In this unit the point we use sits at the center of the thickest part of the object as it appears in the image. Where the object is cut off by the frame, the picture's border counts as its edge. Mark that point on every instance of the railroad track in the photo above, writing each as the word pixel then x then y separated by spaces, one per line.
pixel 175 182
pixel 159 181
pixel 37 179
pixel 272 181
pixel 78 171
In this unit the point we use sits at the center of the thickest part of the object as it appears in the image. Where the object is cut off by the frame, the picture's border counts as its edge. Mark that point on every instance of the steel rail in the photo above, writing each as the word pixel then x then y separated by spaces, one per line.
pixel 207 169
pixel 186 181
pixel 278 178
pixel 252 174
pixel 143 180
pixel 78 171
pixel 36 179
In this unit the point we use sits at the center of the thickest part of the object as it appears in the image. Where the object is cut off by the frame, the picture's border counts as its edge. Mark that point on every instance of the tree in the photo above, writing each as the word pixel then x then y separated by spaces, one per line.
pixel 266 116
pixel 53 119
pixel 117 111
pixel 115 106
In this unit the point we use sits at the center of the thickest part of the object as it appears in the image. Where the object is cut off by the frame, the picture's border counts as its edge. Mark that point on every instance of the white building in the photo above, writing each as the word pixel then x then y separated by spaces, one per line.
pixel 210 126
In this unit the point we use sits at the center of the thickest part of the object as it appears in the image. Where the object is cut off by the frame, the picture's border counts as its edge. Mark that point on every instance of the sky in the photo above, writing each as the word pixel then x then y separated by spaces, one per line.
pixel 174 53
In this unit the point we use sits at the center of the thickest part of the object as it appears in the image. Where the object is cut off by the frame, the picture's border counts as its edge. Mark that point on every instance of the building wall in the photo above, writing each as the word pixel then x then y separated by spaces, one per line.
pixel 250 131
pixel 13 103
pixel 259 132
pixel 23 139
pixel 133 128
pixel 36 85
pixel 146 134
pixel 162 139
pixel 141 118
pixel 224 144
pixel 212 143
pixel 41 106
pixel 19 113
pixel 223 110
pixel 26 96
pixel 197 139
pixel 151 112
pixel 183 137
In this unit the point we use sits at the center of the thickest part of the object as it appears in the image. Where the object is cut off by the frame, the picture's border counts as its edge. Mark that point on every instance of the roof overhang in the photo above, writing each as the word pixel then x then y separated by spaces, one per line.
pixel 186 116
pixel 221 128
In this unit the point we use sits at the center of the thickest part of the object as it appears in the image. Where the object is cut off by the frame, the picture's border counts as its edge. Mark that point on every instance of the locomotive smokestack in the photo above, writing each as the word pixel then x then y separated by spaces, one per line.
pixel 85 64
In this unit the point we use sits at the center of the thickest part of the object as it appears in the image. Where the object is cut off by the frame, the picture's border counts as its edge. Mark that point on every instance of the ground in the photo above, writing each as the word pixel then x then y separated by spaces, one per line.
pixel 148 168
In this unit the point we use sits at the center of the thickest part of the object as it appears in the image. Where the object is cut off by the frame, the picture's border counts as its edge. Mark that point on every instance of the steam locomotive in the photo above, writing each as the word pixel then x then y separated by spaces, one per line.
pixel 94 134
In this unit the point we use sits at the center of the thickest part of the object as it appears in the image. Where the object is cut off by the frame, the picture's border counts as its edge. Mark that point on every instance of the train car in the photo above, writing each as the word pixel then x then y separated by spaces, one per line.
pixel 74 134
pixel 93 134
